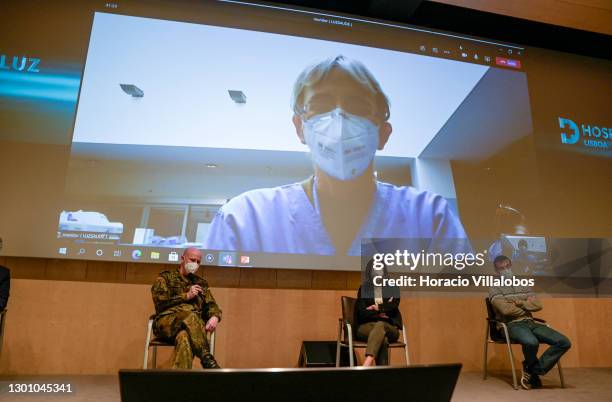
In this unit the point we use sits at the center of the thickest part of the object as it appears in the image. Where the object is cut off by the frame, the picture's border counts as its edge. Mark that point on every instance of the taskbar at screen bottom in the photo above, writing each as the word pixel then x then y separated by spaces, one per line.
pixel 220 258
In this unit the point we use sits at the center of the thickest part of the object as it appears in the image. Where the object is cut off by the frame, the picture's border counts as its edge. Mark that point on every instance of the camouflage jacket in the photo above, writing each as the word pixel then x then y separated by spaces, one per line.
pixel 170 295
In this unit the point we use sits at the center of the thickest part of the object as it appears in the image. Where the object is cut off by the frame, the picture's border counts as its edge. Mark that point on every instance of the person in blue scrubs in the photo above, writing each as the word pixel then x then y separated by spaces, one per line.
pixel 341 114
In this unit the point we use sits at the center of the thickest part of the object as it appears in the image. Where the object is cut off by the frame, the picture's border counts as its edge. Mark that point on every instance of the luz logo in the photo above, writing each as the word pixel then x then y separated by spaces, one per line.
pixel 16 63
pixel 592 136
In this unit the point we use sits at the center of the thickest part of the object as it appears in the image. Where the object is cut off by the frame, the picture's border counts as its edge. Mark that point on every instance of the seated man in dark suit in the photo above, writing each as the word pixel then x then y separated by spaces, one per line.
pixel 5 283
pixel 5 286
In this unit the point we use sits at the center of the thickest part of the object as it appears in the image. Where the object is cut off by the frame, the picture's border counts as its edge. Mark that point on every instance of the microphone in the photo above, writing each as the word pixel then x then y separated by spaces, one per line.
pixel 199 295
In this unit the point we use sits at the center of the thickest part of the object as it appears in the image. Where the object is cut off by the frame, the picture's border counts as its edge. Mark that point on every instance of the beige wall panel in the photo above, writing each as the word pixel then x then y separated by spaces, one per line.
pixel 69 327
pixel 257 278
pixel 143 273
pixel 73 327
pixel 293 278
pixel 26 268
pixel 66 270
pixel 222 277
pixel 103 271
pixel 593 327
pixel 329 280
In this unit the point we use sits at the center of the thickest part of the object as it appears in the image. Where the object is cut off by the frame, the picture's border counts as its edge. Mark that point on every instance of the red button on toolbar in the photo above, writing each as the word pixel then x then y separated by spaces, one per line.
pixel 502 61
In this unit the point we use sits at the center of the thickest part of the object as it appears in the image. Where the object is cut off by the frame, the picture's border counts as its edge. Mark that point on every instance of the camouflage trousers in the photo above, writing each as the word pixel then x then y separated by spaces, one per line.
pixel 187 330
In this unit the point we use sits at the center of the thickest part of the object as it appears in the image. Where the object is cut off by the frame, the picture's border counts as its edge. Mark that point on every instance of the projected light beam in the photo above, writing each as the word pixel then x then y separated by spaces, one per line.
pixel 53 87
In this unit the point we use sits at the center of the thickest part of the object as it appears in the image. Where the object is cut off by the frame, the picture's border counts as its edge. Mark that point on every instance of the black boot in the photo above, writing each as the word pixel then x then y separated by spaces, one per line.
pixel 209 362
pixel 535 381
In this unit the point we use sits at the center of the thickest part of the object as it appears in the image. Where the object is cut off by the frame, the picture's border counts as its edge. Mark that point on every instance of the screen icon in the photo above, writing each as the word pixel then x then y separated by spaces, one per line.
pixel 62 250
pixel 154 255
pixel 487 59
pixel 464 54
pixel 117 253
pixel 209 258
pixel 434 50
pixel 137 254
pixel 475 57
pixel 422 48
pixel 173 256
pixel 227 259
pixel 245 259
pixel 99 253
pixel 81 251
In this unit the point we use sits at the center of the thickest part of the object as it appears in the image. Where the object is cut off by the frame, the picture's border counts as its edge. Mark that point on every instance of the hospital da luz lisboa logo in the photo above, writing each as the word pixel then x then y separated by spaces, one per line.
pixel 585 135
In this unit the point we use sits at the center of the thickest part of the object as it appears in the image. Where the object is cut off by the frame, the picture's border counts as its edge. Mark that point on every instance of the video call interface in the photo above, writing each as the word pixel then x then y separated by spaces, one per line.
pixel 234 130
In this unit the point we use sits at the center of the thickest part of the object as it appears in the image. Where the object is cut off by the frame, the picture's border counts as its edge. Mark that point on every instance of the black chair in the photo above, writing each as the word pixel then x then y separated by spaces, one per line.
pixel 346 334
pixel 501 336
pixel 156 342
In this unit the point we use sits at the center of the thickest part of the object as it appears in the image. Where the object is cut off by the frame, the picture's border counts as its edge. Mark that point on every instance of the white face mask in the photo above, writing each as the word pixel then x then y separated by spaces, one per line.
pixel 520 229
pixel 192 267
pixel 341 144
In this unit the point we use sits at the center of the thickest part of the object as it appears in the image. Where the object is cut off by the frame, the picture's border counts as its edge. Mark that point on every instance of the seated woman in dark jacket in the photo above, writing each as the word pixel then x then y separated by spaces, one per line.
pixel 377 316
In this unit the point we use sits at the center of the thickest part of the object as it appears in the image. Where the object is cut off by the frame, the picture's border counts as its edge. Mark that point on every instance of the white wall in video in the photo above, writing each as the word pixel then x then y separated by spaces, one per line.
pixel 155 82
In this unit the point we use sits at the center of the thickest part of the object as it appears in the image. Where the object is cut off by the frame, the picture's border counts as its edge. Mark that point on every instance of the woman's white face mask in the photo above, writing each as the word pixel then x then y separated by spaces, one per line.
pixel 342 144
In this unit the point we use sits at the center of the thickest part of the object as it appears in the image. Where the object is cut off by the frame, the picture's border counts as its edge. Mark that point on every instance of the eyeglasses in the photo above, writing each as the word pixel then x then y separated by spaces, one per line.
pixel 357 106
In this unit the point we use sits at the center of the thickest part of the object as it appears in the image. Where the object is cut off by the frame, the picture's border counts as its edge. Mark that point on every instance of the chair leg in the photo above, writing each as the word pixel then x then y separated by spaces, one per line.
pixel 507 336
pixel 154 360
pixel 514 381
pixel 350 348
pixel 338 343
pixel 213 338
pixel 485 352
pixel 405 337
pixel 145 362
pixel 561 374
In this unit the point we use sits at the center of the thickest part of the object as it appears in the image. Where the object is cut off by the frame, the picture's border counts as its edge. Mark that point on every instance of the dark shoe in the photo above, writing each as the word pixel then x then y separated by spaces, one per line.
pixel 526 380
pixel 535 381
pixel 209 362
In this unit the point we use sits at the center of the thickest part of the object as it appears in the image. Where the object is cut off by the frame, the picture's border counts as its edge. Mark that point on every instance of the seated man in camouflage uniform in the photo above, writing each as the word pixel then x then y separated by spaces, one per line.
pixel 185 310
